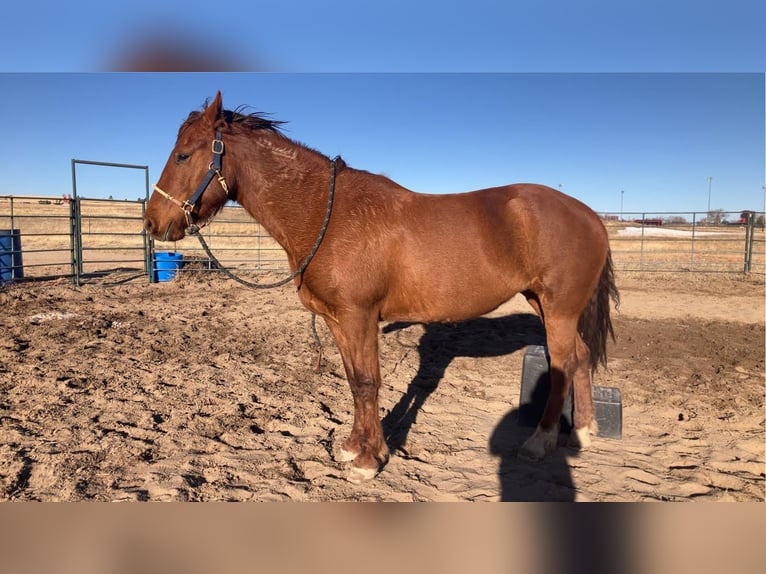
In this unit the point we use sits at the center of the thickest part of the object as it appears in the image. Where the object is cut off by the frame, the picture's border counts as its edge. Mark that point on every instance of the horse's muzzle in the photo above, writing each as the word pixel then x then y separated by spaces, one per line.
pixel 170 233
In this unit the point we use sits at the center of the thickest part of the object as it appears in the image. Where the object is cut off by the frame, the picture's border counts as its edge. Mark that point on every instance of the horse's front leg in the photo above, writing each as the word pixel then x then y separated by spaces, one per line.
pixel 356 335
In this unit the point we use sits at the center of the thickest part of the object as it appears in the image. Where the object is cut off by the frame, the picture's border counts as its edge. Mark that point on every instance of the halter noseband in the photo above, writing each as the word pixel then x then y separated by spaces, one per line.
pixel 215 170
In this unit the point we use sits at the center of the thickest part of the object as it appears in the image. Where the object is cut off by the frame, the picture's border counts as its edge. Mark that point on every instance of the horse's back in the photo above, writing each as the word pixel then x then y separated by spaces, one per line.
pixel 515 221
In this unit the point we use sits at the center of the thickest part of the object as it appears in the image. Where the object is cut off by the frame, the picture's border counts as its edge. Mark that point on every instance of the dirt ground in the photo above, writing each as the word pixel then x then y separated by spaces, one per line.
pixel 199 389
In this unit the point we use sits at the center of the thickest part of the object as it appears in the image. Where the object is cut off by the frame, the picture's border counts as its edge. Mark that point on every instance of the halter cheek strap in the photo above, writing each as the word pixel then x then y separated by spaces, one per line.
pixel 214 171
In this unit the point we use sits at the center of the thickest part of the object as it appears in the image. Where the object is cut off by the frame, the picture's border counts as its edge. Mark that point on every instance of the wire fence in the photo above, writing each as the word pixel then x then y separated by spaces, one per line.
pixel 725 242
pixel 81 239
pixel 44 228
pixel 84 239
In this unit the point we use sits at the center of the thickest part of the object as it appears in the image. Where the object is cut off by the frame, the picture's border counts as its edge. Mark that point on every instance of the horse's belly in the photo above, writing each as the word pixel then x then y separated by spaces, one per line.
pixel 446 273
pixel 445 300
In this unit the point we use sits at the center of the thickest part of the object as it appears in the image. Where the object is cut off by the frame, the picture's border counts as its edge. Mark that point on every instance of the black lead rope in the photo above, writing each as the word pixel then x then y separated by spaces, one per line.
pixel 195 230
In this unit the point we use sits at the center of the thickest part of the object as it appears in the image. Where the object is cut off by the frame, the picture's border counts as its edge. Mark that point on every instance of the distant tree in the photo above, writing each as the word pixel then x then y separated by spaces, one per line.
pixel 716 217
pixel 676 220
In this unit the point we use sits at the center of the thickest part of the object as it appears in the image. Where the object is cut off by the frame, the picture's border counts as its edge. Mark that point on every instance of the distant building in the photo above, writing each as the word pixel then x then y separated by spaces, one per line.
pixel 651 221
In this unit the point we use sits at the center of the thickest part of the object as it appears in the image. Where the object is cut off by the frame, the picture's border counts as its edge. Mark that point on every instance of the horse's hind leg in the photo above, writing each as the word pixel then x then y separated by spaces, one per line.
pixel 562 336
pixel 357 339
pixel 584 420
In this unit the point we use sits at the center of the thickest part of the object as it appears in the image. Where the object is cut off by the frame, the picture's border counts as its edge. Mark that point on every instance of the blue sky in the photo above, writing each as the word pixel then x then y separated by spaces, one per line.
pixel 395 35
pixel 658 137
pixel 597 96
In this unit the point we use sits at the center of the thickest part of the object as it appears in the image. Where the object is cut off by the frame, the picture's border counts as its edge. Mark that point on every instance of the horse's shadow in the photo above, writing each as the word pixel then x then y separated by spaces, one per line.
pixel 481 337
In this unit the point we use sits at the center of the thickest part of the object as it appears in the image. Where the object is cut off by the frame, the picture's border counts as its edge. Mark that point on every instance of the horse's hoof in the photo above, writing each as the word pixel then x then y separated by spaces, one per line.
pixel 579 438
pixel 539 444
pixel 345 455
pixel 359 475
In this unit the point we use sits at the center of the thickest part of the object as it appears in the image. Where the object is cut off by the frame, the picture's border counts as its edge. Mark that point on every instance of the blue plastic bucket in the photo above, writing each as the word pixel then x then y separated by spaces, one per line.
pixel 11 264
pixel 166 263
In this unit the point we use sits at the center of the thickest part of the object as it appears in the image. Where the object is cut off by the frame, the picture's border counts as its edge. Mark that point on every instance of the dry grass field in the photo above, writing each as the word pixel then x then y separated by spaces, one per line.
pixel 684 247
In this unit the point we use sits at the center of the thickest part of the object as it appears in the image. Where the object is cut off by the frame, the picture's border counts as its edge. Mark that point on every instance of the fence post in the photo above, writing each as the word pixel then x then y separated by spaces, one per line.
pixel 258 245
pixel 749 237
pixel 694 231
pixel 75 240
pixel 641 254
pixel 148 247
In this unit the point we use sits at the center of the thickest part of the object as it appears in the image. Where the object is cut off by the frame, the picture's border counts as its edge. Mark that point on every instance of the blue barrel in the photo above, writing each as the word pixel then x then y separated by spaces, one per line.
pixel 11 264
pixel 166 263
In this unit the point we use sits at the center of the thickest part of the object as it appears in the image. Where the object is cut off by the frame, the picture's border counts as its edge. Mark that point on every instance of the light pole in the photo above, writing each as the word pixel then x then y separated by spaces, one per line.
pixel 622 196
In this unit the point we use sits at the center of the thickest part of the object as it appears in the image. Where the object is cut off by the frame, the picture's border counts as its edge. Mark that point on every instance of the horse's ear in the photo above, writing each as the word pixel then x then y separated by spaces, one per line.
pixel 213 111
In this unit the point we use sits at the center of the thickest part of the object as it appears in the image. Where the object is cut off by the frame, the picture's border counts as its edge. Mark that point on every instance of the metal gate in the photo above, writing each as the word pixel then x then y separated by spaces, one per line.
pixel 78 245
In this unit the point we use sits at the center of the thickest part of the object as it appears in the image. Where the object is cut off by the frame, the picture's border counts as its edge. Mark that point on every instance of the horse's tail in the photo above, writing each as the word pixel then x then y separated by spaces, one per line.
pixel 595 323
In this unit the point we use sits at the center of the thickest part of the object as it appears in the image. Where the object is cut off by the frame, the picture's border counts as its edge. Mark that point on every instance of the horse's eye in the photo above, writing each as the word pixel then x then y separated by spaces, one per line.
pixel 181 157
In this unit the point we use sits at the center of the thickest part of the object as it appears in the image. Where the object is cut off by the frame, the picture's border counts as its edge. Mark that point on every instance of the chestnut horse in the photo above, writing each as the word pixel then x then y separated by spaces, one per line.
pixel 390 254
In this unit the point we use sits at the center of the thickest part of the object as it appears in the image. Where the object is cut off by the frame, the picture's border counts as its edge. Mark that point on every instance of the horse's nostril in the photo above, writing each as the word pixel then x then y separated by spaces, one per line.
pixel 148 226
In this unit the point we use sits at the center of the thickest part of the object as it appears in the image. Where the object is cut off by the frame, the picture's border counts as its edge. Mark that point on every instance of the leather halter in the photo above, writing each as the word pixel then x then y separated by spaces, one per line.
pixel 214 171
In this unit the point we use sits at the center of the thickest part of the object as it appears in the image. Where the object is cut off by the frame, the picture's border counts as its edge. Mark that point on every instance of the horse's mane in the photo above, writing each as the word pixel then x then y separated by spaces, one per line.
pixel 252 121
